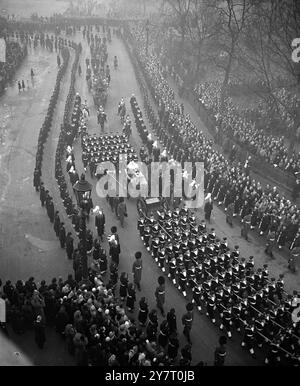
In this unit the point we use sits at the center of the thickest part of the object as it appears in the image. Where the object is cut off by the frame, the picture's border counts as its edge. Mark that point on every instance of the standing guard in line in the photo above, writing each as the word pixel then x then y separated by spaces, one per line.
pixel 220 352
pixel 187 321
pixel 160 294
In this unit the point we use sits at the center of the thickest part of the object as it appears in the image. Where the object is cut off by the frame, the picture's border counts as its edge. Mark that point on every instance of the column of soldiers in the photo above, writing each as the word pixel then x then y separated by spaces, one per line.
pixel 73 125
pixel 97 150
pixel 269 212
pixel 228 288
pixel 66 239
pixel 45 197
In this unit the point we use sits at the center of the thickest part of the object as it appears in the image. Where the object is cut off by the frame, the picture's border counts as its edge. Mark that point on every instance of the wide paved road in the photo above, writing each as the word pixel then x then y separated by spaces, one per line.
pixel 29 244
pixel 204 334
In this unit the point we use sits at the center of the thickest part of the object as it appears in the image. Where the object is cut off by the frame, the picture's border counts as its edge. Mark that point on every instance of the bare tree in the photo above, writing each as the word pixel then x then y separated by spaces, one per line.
pixel 203 26
pixel 179 11
pixel 234 15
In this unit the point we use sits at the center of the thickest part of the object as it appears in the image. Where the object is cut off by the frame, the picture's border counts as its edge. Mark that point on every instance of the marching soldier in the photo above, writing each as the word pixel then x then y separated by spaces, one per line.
pixel 147 235
pixel 296 241
pixel 229 214
pixel 246 225
pixel 161 258
pixel 143 312
pixel 187 321
pixel 140 225
pixel 163 337
pixel 160 294
pixel 197 294
pixel 220 352
pixel 211 307
pixel 265 274
pixel 137 270
pixel 248 340
pixel 281 237
pixel 273 357
pixel 236 313
pixel 155 247
pixel 250 266
pixel 259 328
pixel 172 270
pixel 270 243
pixel 182 280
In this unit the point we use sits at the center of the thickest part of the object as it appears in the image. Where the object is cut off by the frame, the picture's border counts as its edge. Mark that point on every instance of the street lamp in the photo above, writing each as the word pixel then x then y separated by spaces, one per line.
pixel 82 190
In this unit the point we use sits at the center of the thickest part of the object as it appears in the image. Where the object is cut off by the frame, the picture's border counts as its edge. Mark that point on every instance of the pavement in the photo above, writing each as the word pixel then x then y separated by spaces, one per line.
pixel 28 243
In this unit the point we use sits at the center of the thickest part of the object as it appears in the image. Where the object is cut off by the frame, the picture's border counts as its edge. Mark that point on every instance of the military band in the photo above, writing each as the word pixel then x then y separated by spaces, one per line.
pixel 219 281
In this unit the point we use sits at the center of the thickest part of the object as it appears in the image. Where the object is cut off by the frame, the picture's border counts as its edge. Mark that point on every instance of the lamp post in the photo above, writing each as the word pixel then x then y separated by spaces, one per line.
pixel 83 190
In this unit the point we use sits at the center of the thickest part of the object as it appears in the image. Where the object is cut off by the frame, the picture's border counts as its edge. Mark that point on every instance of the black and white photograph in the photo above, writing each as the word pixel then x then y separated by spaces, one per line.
pixel 150 186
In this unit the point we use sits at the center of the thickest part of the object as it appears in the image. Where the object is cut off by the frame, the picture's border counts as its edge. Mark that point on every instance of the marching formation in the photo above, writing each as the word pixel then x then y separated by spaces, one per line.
pixel 224 285
pixel 103 313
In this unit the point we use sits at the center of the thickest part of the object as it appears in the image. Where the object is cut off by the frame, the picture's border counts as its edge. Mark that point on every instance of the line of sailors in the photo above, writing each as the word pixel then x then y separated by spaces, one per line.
pixel 68 132
pixel 66 239
pixel 105 148
pixel 222 283
pixel 268 211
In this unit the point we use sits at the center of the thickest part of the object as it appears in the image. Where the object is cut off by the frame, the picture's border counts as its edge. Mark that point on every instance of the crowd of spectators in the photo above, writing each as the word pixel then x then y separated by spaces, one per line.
pixel 195 254
pixel 15 54
pixel 247 132
pixel 93 322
